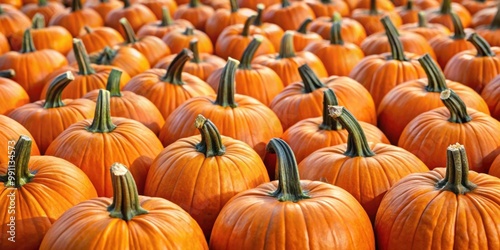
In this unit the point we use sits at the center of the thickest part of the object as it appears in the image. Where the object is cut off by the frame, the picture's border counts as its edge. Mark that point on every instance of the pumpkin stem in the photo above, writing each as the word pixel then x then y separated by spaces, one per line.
pixel 303 26
pixel 88 29
pixel 249 53
pixel 326 1
pixel 56 87
pixel 436 81
pixel 482 46
pixel 246 28
pixel 422 20
pixel 225 92
pixel 105 57
pixel 335 34
pixel 193 46
pixel 103 1
pixel 42 3
pixel 82 58
pixel 357 145
pixel 336 17
pixel 309 79
pixel 126 203
pixel 7 73
pixel 102 122
pixel 28 45
pixel 458 28
pixel 285 3
pixel 373 8
pixel 194 3
pixel 287 49
pixel 495 23
pixel 409 5
pixel 329 99
pixel 38 21
pixel 174 70
pixel 456 107
pixel 130 36
pixel 166 19
pixel 126 4
pixel 211 141
pixel 113 84
pixel 258 19
pixel 189 31
pixel 76 5
pixel 289 188
pixel 456 179
pixel 1 10
pixel 18 164
pixel 445 7
pixel 397 50
pixel 234 6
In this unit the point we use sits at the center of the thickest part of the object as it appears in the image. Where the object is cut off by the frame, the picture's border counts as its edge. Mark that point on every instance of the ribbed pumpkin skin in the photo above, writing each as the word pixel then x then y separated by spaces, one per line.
pixel 300 223
pixel 164 226
pixel 13 20
pixel 491 94
pixel 4 44
pixel 495 167
pixel 57 186
pixel 131 143
pixel 352 31
pixel 54 37
pixel 12 95
pixel 11 130
pixel 442 219
pixel 414 43
pixel 99 38
pixel 75 21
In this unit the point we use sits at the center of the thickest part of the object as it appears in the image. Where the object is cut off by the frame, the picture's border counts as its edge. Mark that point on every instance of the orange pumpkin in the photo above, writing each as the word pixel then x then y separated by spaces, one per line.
pixel 484 17
pixel 491 96
pixel 473 6
pixel 408 12
pixel 137 14
pixel 12 20
pixel 77 18
pixel 302 37
pixel 45 8
pixel 370 18
pixel 179 39
pixel 328 7
pixel 271 31
pixel 288 14
pixel 253 4
pixel 442 16
pixel 491 32
pixel 4 44
pixel 10 130
pixel 161 27
pixel 156 6
pixel 12 95
pixel 103 7
pixel 495 167
pixel 425 29
pixel 95 39
pixel 128 59
pixel 195 12
pixel 222 18
pixel 351 30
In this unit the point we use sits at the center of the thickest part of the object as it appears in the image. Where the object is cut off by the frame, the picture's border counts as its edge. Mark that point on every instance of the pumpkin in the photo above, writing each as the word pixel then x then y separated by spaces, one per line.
pixel 103 7
pixel 45 8
pixel 77 18
pixel 222 18
pixel 491 32
pixel 156 6
pixel 311 134
pixel 201 65
pixel 4 44
pixel 364 169
pixel 380 73
pixel 128 59
pixel 385 5
pixel 467 126
pixel 490 95
pixel 12 95
pixel 12 20
pixel 288 14
pixel 55 114
pixel 370 18
pixel 123 219
pixel 302 99
pixel 10 130
pixel 161 27
pixel 328 7
pixel 321 214
pixel 302 37
pixel 137 14
pixel 425 29
pixel 351 30
pixel 29 57
pixel 195 12
pixel 484 17
pixel 94 144
pixel 338 57
pixel 224 167
pixel 474 68
pixel 442 16
pixel 95 39
pixel 179 39
pixel 169 88
pixel 238 116
pixel 473 6
pixel 495 167
pixel 408 12
pixel 412 98
pixel 36 191
pixel 255 80
pixel 467 204
pixel 271 31
pixel 286 62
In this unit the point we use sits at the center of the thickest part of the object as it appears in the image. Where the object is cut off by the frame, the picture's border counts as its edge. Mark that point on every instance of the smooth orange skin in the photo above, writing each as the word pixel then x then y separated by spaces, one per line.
pixel 410 99
pixel 156 5
pixel 447 47
pixel 434 15
pixel 198 16
pixel 10 130
pixel 483 17
pixel 290 17
pixel 12 96
pixel 429 134
pixel 130 143
pixel 320 9
pixel 153 48
pixel 203 69
pixel 177 41
pixel 14 3
pixel 75 21
pixel 130 60
pixel 4 44
pixel 490 95
pixel 154 28
pixel 223 18
pixel 304 137
pixel 430 31
pixel 53 37
pixel 351 30
pixel 48 11
pixel 408 15
pixel 301 40
pixel 293 105
pixel 137 15
pixel 407 215
pixel 272 32
pixel 231 42
pixel 378 43
pixel 13 20
pixel 99 38
pixel 492 36
pixel 103 8
pixel 252 4
pixel 218 178
pixel 384 5
pixel 166 225
pixel 371 22
pixel 319 222
pixel 495 167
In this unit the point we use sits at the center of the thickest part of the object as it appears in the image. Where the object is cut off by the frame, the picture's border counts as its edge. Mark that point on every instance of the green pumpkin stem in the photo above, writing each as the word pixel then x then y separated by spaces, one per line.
pixel 193 46
pixel 56 87
pixel 18 163
pixel 397 50
pixel 76 5
pixel 174 70
pixel 113 84
pixel 82 58
pixel 103 1
pixel 422 20
pixel 126 4
pixel 211 141
pixel 166 19
pixel 249 53
pixel 28 45
pixel 357 144
pixel 225 92
pixel 303 26
pixel 329 99
pixel 373 7
pixel 456 107
pixel 336 17
pixel 38 21
pixel 287 49
pixel 285 3
pixel 445 7
pixel 88 29
pixel 456 178
pixel 42 3
pixel 126 204
pixel 258 19
pixel 335 34
pixel 189 31
pixel 436 81
pixel 458 28
pixel 309 79
pixel 130 36
pixel 234 6
pixel 246 28
pixel 194 3
pixel 409 5
pixel 7 73
pixel 105 57
pixel 102 122
pixel 1 10
pixel 326 1
pixel 482 46
pixel 495 23
pixel 289 188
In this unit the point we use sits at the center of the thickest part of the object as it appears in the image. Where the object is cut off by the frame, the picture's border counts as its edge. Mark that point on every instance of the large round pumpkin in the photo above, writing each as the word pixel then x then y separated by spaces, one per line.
pixel 77 18
pixel 161 27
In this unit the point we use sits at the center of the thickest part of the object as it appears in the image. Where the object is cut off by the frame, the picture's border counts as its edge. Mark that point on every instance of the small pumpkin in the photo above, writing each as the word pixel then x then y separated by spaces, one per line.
pixel 95 39
pixel 12 20
pixel 12 95
pixel 179 39
pixel 408 12
pixel 491 32
pixel 288 14
pixel 425 29
pixel 253 4
pixel 484 17
pixel 77 18
pixel 351 30
pixel 195 12
pixel 161 27
pixel 103 7
pixel 137 14
pixel 222 18
pixel 328 7
pixel 442 16
pixel 45 8
pixel 128 59
pixel 10 131
pixel 370 18
pixel 156 6
pixel 271 31
pixel 302 37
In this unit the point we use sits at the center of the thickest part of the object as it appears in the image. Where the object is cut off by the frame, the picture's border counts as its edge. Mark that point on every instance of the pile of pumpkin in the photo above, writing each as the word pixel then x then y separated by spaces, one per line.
pixel 250 124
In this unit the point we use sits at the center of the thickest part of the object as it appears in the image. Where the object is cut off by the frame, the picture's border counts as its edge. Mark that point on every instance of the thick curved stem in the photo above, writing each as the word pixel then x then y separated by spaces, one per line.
pixel 246 28
pixel 126 203
pixel 225 92
pixel 357 145
pixel 397 50
pixel 113 84
pixel 102 122
pixel 445 7
pixel 289 188
pixel 422 20
pixel 174 70
pixel 409 5
pixel 38 21
pixel 456 179
pixel 18 172
pixel 456 107
pixel 27 45
pixel 82 58
pixel 249 53
pixel 211 141
pixel 7 73
pixel 329 99
pixel 436 81
pixel 482 46
pixel 335 34
pixel 234 6
pixel 130 36
pixel 56 87
pixel 303 26
pixel 166 19
pixel 76 5
pixel 287 49
pixel 258 19
pixel 309 79
pixel 193 46
pixel 458 28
